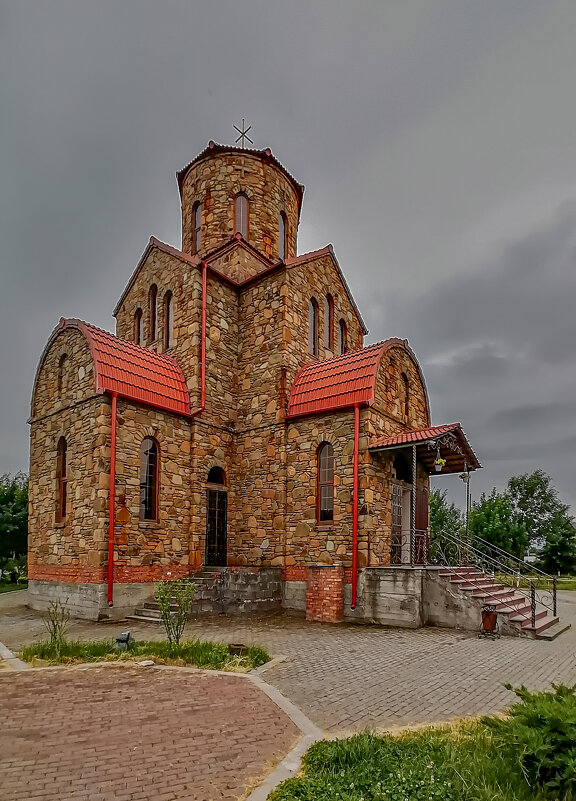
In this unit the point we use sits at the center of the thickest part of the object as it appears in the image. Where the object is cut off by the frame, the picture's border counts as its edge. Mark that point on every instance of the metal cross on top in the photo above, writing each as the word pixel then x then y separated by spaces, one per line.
pixel 243 134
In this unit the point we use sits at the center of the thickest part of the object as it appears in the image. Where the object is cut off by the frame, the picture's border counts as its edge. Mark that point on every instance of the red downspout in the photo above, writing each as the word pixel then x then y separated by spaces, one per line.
pixel 203 342
pixel 112 501
pixel 355 505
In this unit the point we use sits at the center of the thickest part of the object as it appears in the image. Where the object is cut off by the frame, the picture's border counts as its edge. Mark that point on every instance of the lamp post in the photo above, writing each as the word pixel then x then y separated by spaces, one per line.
pixel 466 479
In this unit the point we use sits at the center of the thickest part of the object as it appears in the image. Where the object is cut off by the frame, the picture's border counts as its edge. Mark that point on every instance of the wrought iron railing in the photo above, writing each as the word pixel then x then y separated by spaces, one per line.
pixel 538 588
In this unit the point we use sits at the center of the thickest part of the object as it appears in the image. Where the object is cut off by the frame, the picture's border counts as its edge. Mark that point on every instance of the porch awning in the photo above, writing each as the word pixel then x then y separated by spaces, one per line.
pixel 449 440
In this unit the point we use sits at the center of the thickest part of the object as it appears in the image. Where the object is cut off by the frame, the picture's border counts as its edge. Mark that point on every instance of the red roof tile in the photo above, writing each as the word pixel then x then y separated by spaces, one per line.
pixel 338 383
pixel 408 437
pixel 134 372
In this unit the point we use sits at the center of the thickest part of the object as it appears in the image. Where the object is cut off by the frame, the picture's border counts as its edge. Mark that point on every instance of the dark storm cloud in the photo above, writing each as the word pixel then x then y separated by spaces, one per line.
pixel 435 141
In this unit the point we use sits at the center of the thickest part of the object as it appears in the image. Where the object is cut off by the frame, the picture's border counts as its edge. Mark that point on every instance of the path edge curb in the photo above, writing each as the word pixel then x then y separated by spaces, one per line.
pixel 7 656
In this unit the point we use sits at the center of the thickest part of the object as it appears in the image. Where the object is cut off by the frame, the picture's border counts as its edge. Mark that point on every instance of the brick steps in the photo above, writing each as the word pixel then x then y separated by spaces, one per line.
pixel 513 606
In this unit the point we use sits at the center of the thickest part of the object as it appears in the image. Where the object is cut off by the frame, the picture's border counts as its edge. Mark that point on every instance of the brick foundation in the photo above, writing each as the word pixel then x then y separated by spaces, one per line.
pixel 324 584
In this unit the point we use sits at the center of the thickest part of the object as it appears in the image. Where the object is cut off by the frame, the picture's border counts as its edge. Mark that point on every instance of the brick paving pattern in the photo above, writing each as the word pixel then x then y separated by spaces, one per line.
pixel 135 734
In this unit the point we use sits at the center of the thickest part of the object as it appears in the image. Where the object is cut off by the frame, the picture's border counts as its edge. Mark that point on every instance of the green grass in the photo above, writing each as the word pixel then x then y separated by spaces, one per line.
pixel 563 582
pixel 462 763
pixel 4 587
pixel 214 656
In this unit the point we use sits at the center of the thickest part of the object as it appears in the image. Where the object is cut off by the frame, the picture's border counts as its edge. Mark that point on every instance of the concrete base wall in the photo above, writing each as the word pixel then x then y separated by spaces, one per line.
pixel 389 596
pixel 294 595
pixel 89 601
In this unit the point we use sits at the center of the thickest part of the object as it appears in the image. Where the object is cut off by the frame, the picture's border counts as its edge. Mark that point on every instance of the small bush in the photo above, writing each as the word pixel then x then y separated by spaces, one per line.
pixel 540 735
pixel 56 623
pixel 175 599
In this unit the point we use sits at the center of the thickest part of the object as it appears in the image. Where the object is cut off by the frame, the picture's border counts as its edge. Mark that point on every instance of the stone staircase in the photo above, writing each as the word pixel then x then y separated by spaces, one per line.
pixel 223 590
pixel 514 608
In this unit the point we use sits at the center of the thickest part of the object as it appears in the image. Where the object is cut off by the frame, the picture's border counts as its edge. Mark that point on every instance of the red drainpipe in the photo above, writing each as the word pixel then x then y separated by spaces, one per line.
pixel 112 501
pixel 355 505
pixel 112 490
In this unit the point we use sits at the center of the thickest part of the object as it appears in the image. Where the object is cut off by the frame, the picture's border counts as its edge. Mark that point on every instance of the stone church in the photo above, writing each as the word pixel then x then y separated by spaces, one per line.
pixel 235 425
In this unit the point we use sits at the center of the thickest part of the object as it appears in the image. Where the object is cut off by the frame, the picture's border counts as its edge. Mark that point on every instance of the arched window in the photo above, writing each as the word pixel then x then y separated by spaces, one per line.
pixel 342 337
pixel 197 226
pixel 62 476
pixel 138 326
pixel 149 470
pixel 61 372
pixel 328 322
pixel 282 231
pixel 325 492
pixel 168 320
pixel 152 311
pixel 313 327
pixel 216 476
pixel 241 215
pixel 405 394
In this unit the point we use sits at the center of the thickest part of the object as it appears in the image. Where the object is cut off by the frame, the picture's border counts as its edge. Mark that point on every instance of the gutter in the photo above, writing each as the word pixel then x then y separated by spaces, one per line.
pixel 355 505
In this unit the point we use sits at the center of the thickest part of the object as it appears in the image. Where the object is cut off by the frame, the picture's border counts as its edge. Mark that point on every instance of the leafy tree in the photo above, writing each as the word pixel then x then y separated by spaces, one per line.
pixel 493 519
pixel 13 516
pixel 444 517
pixel 558 554
pixel 536 504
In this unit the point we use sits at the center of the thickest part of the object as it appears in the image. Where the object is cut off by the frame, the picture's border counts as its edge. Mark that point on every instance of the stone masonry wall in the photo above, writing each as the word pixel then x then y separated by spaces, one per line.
pixel 216 180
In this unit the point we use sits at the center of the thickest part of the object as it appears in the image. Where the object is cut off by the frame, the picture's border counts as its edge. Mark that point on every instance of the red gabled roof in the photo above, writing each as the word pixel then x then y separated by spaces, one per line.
pixel 336 383
pixel 134 372
pixel 343 381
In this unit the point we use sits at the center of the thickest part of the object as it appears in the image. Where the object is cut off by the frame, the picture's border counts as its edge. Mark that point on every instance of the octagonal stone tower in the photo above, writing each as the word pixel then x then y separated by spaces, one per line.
pixel 228 190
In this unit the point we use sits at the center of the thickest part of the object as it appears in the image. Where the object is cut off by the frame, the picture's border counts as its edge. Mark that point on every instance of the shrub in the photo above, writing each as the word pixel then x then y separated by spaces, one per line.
pixel 56 622
pixel 175 598
pixel 540 735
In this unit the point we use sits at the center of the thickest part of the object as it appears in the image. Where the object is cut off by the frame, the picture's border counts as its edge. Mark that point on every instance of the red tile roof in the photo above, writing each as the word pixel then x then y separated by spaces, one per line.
pixel 340 382
pixel 409 437
pixel 134 372
pixel 456 460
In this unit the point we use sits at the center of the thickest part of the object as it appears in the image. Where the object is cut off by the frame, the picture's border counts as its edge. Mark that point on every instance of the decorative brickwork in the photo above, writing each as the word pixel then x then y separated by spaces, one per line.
pixel 324 600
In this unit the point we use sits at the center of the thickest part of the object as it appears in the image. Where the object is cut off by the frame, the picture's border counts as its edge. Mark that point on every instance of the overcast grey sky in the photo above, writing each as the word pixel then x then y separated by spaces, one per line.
pixel 436 141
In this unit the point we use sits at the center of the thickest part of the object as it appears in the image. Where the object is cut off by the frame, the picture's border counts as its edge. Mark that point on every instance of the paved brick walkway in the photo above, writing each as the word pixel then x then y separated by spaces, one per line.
pixel 135 734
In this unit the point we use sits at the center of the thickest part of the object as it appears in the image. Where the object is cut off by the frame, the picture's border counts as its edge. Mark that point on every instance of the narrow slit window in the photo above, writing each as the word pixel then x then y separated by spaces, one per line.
pixel 328 322
pixel 153 311
pixel 62 475
pixel 325 493
pixel 138 326
pixel 197 223
pixel 168 320
pixel 282 231
pixel 342 337
pixel 149 468
pixel 313 327
pixel 405 395
pixel 62 372
pixel 241 215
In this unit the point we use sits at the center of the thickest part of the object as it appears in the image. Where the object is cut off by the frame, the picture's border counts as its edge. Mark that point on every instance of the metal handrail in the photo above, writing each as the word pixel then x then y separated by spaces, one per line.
pixel 511 556
pixel 481 560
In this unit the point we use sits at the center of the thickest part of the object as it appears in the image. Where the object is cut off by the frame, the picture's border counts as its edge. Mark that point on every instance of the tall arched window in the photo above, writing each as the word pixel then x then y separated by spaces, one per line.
pixel 325 492
pixel 152 311
pixel 197 226
pixel 313 327
pixel 405 394
pixel 241 215
pixel 61 372
pixel 168 320
pixel 282 231
pixel 328 322
pixel 62 476
pixel 342 337
pixel 149 470
pixel 138 326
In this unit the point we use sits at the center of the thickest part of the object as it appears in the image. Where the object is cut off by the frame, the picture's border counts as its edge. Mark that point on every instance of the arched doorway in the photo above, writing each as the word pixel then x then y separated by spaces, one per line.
pixel 216 518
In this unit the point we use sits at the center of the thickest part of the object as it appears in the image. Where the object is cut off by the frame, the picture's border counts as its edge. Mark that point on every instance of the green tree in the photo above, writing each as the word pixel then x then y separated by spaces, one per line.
pixel 558 554
pixel 493 519
pixel 13 516
pixel 444 517
pixel 536 503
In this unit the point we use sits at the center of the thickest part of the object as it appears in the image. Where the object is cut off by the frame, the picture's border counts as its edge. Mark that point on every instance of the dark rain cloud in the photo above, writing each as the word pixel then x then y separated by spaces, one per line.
pixel 435 141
